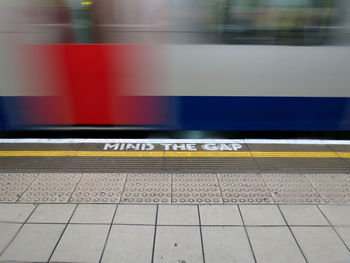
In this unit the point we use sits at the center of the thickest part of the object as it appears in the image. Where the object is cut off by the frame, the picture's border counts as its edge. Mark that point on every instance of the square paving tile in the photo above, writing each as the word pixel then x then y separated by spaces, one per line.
pixel 52 188
pixel 129 244
pixel 13 185
pixel 244 188
pixel 274 244
pixel 195 188
pixel 52 213
pixel 147 188
pixel 99 188
pixel 7 232
pixel 261 215
pixel 81 243
pixel 226 244
pixel 34 243
pixel 15 212
pixel 135 214
pixel 303 215
pixel 334 188
pixel 291 188
pixel 178 244
pixel 321 244
pixel 344 232
pixel 93 213
pixel 178 215
pixel 220 215
pixel 336 214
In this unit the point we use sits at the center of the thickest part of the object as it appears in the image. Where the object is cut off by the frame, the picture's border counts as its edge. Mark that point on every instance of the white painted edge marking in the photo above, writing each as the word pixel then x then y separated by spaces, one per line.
pixel 248 141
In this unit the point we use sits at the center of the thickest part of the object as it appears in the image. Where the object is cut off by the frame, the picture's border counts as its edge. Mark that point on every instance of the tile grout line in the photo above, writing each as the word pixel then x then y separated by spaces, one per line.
pixel 64 229
pixel 107 237
pixel 340 157
pixel 200 232
pixel 246 232
pixel 255 160
pixel 332 226
pixel 155 234
pixel 290 230
pixel 314 187
pixel 36 177
pixel 219 186
pixel 20 228
pixel 75 188
pixel 123 188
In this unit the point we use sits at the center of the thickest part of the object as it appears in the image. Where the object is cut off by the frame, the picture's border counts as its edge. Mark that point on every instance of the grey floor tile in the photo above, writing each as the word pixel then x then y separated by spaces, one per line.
pixel 34 243
pixel 135 214
pixel 178 244
pixel 344 232
pixel 93 213
pixel 274 244
pixel 226 244
pixel 220 215
pixel 129 244
pixel 15 212
pixel 81 243
pixel 7 232
pixel 261 215
pixel 321 245
pixel 303 215
pixel 52 213
pixel 178 215
pixel 336 214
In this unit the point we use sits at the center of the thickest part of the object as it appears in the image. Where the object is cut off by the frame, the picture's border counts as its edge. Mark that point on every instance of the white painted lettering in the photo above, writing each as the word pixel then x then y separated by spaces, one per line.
pixel 166 146
pixel 181 146
pixel 236 146
pixel 191 147
pixel 150 147
pixel 225 147
pixel 131 146
pixel 113 146
pixel 209 147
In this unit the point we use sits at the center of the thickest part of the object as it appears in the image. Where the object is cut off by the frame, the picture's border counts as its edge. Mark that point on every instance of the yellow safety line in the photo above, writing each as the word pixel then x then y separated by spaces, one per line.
pixel 295 154
pixel 177 154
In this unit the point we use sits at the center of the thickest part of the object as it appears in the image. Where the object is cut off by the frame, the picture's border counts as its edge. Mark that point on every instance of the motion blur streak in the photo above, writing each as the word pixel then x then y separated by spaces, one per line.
pixel 175 64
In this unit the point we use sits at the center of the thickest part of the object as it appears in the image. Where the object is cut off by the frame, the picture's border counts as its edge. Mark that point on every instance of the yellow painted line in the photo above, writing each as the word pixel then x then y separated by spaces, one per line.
pixel 177 154
pixel 207 154
pixel 344 154
pixel 295 154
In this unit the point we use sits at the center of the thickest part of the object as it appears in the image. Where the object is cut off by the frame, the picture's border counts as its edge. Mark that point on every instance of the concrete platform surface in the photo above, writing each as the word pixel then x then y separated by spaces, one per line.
pixel 173 233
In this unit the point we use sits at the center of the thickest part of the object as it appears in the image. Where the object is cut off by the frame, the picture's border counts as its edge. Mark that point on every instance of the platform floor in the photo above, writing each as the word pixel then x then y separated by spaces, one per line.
pixel 177 201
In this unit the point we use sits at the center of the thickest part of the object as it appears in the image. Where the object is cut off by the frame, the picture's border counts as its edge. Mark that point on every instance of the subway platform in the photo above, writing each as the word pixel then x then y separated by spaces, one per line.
pixel 177 201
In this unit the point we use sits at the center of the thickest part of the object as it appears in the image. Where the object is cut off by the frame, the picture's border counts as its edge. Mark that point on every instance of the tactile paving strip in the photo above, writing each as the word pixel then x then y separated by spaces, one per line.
pixel 147 188
pixel 195 189
pixel 334 188
pixel 99 188
pixel 291 188
pixel 244 188
pixel 13 185
pixel 51 188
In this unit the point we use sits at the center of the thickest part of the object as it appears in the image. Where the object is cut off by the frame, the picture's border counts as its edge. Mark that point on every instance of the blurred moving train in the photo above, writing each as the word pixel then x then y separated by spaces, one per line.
pixel 175 64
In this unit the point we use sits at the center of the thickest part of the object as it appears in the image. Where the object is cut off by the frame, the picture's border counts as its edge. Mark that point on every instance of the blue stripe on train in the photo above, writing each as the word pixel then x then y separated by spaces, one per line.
pixel 226 113
pixel 263 113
